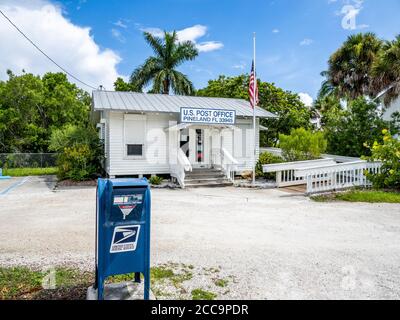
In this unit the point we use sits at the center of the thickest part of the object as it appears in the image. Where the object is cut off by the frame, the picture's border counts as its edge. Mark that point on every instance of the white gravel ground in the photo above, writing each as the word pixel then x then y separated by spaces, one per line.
pixel 266 243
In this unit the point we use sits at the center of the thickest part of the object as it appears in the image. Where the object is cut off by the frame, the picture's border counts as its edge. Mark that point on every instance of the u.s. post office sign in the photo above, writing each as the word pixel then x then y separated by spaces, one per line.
pixel 208 116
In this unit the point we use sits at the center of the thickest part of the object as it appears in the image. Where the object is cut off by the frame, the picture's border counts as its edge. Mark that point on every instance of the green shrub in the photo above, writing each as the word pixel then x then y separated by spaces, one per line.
pixel 266 158
pixel 155 180
pixel 388 153
pixel 80 152
pixel 302 144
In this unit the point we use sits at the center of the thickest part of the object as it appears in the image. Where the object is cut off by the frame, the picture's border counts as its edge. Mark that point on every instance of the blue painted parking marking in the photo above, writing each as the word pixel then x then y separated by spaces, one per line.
pixel 13 186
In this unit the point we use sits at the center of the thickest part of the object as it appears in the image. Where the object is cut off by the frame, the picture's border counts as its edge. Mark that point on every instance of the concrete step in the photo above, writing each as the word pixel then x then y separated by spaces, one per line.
pixel 205 173
pixel 205 176
pixel 206 180
pixel 209 185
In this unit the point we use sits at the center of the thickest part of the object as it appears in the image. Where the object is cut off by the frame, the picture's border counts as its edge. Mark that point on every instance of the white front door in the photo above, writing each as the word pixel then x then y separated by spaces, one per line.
pixel 199 147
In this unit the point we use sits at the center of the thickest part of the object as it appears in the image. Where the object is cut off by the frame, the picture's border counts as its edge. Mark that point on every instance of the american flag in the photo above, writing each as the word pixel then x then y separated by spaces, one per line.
pixel 253 89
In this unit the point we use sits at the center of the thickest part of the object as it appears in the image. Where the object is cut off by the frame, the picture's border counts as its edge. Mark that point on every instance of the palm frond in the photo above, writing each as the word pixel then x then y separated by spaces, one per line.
pixel 155 43
pixel 145 73
pixel 160 69
pixel 350 66
pixel 386 71
pixel 159 81
pixel 185 51
pixel 180 84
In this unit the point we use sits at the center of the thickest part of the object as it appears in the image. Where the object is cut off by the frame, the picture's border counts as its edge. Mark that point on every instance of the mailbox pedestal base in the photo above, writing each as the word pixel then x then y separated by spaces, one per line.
pixel 120 291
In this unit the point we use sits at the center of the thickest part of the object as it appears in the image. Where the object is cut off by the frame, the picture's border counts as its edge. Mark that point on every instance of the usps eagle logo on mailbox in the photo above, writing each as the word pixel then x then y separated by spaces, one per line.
pixel 125 238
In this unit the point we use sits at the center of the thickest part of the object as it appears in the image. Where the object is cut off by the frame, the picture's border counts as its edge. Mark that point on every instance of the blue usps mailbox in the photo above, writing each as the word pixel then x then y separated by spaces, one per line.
pixel 123 231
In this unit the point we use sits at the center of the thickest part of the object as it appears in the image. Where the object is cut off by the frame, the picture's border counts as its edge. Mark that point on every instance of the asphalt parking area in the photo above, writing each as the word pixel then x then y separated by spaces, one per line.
pixel 27 185
pixel 272 245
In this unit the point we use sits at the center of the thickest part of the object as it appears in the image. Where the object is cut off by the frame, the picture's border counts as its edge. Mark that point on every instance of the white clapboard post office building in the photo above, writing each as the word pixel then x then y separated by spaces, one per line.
pixel 196 140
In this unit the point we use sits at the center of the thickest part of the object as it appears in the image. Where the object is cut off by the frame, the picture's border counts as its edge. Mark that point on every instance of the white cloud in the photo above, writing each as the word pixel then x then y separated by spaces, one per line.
pixel 209 46
pixel 120 23
pixel 240 66
pixel 190 34
pixel 157 32
pixel 72 46
pixel 306 99
pixel 306 42
pixel 118 35
pixel 275 31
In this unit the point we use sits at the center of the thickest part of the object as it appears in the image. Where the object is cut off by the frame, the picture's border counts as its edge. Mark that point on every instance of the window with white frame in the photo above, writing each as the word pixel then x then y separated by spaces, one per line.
pixel 134 135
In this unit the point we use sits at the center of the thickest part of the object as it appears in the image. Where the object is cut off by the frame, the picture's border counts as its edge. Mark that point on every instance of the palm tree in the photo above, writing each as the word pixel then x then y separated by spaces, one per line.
pixel 327 88
pixel 161 68
pixel 350 66
pixel 386 71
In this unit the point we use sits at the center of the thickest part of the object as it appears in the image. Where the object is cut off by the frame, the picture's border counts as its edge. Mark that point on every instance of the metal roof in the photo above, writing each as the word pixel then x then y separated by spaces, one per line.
pixel 143 102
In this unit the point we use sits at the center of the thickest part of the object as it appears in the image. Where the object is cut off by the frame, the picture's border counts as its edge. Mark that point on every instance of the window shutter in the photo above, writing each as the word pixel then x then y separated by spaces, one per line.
pixel 135 129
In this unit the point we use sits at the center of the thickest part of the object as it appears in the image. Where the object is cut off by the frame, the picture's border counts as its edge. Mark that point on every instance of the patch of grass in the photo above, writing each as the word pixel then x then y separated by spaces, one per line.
pixel 23 283
pixel 161 273
pixel 221 283
pixel 179 278
pixel 329 197
pixel 15 282
pixel 70 277
pixel 23 172
pixel 121 278
pixel 369 196
pixel 165 276
pixel 200 294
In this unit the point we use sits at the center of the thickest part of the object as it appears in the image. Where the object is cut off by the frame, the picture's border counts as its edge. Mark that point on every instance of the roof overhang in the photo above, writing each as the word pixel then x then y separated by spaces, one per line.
pixel 128 102
pixel 182 126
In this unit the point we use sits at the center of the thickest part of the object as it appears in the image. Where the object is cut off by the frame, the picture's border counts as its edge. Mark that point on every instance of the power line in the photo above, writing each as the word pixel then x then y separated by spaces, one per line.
pixel 41 51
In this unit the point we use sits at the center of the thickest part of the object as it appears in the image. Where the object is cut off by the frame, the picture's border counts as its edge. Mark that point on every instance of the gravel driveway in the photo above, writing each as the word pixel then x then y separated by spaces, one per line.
pixel 272 245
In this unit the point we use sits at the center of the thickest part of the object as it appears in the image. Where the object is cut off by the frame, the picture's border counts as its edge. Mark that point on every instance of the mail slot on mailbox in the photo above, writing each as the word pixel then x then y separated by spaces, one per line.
pixel 123 231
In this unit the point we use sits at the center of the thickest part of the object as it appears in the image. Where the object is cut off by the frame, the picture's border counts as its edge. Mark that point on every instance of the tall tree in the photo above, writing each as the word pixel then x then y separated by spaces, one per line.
pixel 386 71
pixel 291 111
pixel 160 69
pixel 350 67
pixel 325 104
pixel 121 85
pixel 31 107
pixel 347 130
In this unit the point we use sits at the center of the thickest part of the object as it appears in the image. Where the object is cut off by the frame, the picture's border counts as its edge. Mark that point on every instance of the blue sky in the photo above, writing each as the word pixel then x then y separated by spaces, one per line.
pixel 294 38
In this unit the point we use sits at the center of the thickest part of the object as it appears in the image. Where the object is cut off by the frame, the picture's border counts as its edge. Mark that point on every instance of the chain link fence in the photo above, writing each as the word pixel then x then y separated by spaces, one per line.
pixel 27 160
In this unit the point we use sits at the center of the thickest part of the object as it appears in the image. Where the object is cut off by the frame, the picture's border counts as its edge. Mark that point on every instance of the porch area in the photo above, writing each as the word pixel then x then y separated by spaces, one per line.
pixel 203 155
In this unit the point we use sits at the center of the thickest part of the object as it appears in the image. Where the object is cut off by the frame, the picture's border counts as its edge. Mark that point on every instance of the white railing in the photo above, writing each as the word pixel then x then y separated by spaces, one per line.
pixel 285 171
pixel 338 176
pixel 229 164
pixel 223 159
pixel 178 170
pixel 278 152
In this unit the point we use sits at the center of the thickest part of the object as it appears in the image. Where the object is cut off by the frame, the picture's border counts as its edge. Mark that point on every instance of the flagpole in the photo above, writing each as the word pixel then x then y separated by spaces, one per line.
pixel 254 110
